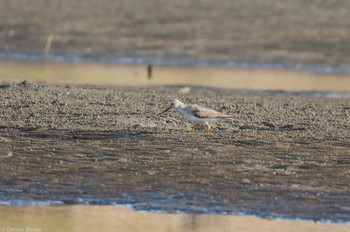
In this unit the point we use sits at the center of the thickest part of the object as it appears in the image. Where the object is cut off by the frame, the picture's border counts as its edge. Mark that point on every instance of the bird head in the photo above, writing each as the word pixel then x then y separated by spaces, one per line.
pixel 172 104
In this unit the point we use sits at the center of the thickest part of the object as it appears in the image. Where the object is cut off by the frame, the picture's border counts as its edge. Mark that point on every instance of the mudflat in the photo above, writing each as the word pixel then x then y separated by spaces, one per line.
pixel 270 31
pixel 285 156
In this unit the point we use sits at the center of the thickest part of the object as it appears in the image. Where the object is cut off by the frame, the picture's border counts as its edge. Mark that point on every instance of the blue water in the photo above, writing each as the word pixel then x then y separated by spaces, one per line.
pixel 166 61
pixel 169 200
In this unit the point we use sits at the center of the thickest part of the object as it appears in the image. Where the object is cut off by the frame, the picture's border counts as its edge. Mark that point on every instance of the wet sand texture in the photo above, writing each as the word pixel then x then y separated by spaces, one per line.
pixel 282 156
pixel 270 31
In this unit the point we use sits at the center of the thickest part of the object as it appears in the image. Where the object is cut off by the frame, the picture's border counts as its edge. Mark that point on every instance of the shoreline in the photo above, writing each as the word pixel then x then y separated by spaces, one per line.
pixel 33 204
pixel 106 74
pixel 174 62
pixel 124 218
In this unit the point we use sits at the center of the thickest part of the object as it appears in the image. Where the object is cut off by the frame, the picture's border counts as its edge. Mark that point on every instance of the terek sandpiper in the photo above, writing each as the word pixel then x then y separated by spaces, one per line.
pixel 197 114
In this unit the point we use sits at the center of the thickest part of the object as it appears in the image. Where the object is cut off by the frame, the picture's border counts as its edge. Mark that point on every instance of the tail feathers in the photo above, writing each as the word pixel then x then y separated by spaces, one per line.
pixel 225 116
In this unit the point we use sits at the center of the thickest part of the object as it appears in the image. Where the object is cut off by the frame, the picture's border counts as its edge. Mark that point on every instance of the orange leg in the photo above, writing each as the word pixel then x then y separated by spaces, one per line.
pixel 208 128
pixel 193 128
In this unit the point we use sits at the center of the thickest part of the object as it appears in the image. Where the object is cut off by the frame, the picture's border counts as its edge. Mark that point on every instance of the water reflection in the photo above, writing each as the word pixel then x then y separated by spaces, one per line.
pixel 116 218
pixel 138 75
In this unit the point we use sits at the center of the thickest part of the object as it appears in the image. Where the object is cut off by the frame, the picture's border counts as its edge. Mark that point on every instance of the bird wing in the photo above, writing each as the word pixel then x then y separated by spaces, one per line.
pixel 202 112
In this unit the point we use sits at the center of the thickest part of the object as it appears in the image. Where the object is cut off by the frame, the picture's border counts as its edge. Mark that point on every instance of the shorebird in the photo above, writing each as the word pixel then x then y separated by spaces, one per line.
pixel 197 115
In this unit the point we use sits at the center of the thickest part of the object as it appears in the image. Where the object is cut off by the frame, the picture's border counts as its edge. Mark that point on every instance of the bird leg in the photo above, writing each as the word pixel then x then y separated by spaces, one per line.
pixel 208 128
pixel 193 128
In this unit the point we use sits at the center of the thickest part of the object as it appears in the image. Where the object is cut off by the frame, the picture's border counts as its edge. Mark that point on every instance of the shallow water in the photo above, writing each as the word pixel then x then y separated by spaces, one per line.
pixel 117 218
pixel 176 62
pixel 274 81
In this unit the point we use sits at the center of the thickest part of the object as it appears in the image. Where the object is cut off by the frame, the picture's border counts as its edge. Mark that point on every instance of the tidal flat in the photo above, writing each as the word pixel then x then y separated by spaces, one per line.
pixel 282 157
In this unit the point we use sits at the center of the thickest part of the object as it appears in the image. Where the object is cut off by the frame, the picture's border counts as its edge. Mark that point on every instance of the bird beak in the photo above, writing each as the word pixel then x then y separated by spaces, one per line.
pixel 164 110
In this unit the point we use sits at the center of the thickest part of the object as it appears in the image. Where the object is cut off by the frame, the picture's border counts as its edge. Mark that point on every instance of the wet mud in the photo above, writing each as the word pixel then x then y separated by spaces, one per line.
pixel 269 32
pixel 282 156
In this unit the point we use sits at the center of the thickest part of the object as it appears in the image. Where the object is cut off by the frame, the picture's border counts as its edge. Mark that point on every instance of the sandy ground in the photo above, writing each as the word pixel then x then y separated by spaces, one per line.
pixel 270 31
pixel 283 155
